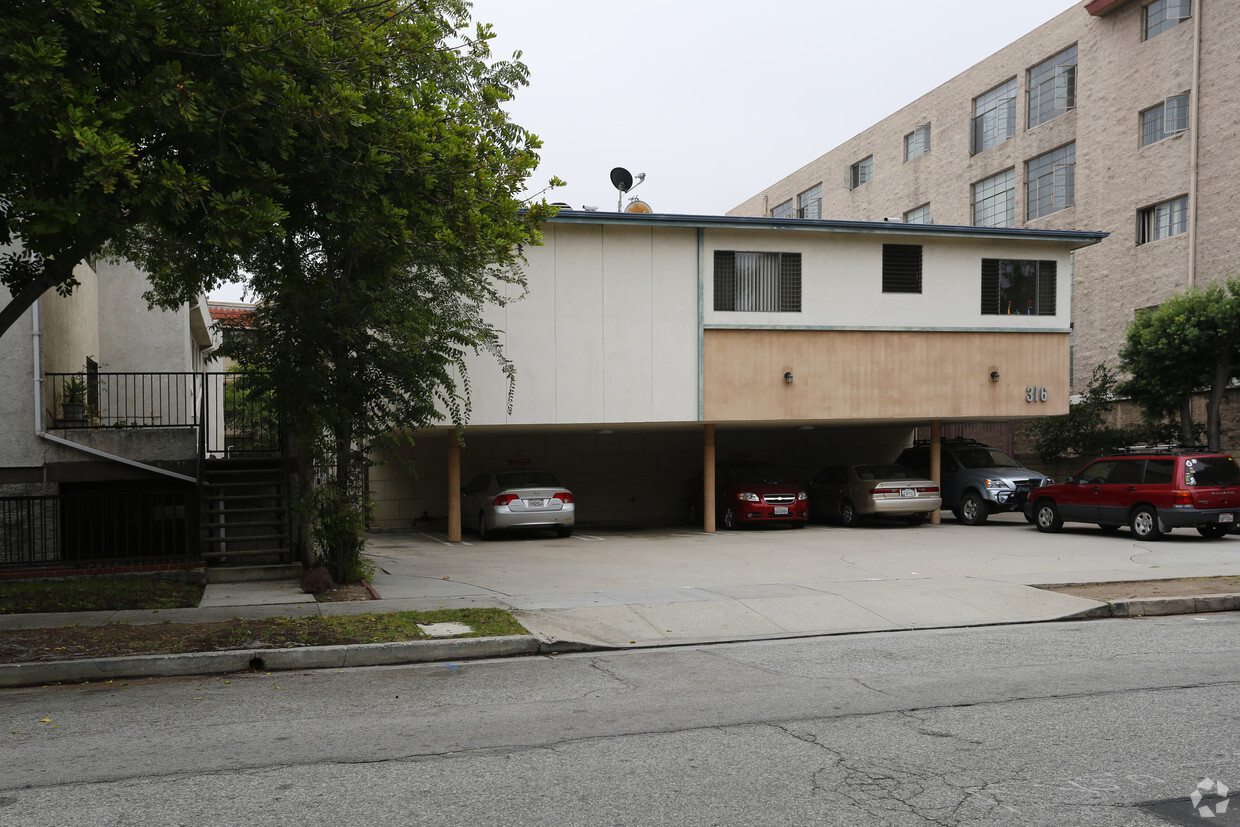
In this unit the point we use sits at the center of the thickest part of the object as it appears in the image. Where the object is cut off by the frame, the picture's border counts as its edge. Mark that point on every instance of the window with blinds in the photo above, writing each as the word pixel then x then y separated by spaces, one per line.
pixel 757 282
pixel 901 268
pixel 1016 287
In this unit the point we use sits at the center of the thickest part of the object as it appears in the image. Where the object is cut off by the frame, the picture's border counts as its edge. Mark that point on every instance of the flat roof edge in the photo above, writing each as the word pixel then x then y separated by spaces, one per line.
pixel 821 225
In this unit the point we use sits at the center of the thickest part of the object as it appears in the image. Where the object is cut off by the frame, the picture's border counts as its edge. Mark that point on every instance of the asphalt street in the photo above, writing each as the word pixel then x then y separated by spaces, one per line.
pixel 1113 722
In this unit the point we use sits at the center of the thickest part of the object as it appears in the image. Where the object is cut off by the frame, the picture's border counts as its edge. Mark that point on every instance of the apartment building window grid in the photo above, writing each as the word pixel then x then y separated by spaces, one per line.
pixel 994 200
pixel 1165 14
pixel 783 210
pixel 994 117
pixel 917 142
pixel 757 282
pixel 1162 220
pixel 1052 87
pixel 919 215
pixel 1018 287
pixel 860 172
pixel 809 203
pixel 1050 182
pixel 901 268
pixel 1168 118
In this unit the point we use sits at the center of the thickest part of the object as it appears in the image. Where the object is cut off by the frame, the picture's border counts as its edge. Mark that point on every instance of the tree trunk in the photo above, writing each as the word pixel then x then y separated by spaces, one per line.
pixel 1186 420
pixel 1214 404
pixel 52 275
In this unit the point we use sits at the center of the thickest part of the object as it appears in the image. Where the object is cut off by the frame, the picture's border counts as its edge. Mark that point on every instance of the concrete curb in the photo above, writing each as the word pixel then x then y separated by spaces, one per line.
pixel 1160 606
pixel 241 660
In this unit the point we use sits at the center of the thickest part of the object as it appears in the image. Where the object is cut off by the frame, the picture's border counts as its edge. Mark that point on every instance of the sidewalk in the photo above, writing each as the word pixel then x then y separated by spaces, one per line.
pixel 681 586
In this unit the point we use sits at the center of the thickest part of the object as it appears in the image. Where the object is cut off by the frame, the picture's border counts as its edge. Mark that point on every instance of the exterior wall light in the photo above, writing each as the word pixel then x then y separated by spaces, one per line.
pixel 994 376
pixel 788 376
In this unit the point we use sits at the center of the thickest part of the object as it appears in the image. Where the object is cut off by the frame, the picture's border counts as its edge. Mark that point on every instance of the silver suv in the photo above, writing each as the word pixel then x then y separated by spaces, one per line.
pixel 976 480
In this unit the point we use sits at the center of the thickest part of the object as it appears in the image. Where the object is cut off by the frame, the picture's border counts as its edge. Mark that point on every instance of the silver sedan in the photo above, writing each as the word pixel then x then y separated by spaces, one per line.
pixel 499 500
pixel 850 492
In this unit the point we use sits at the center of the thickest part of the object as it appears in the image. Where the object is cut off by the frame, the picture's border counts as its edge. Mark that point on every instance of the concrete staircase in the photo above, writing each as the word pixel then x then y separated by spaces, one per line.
pixel 245 521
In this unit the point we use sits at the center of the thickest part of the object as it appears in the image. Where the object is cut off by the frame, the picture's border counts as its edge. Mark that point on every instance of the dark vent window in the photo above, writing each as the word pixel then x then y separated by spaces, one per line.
pixel 1015 287
pixel 758 282
pixel 901 268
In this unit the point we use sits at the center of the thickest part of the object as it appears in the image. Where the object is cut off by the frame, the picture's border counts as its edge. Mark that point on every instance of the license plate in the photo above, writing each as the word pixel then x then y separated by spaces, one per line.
pixel 781 509
pixel 908 492
pixel 534 503
pixel 1227 518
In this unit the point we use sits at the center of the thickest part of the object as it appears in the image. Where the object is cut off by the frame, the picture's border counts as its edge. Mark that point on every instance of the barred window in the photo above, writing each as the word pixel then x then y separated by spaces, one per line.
pixel 1164 14
pixel 860 172
pixel 809 203
pixel 994 117
pixel 1168 118
pixel 917 142
pixel 994 200
pixel 1052 87
pixel 1162 220
pixel 1050 182
pixel 758 282
pixel 901 268
pixel 919 215
pixel 1016 287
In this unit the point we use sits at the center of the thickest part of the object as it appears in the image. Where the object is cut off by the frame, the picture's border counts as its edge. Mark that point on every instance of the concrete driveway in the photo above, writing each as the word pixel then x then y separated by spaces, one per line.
pixel 672 586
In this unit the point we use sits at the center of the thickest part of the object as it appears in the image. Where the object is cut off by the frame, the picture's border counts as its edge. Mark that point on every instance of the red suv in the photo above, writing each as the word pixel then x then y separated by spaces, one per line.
pixel 1151 490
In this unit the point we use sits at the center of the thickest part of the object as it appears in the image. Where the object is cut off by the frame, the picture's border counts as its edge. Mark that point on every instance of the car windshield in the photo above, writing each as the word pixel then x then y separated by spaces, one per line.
pixel 1211 471
pixel 884 472
pixel 756 473
pixel 983 457
pixel 527 479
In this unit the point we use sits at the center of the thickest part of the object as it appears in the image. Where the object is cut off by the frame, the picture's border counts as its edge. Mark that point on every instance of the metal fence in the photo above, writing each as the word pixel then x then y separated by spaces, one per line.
pixel 235 415
pixel 92 523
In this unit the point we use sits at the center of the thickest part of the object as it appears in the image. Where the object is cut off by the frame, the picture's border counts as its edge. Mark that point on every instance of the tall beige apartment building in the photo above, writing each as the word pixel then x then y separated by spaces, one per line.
pixel 1117 115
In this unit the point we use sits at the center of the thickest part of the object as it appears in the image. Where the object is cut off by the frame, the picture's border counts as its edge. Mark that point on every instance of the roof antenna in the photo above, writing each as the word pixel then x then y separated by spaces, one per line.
pixel 622 180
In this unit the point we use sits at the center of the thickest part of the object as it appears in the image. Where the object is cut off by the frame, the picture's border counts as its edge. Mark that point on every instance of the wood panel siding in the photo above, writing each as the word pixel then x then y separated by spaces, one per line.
pixel 848 375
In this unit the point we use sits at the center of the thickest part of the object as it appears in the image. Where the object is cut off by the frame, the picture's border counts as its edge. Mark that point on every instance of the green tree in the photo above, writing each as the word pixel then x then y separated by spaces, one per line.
pixel 1083 430
pixel 406 228
pixel 1185 345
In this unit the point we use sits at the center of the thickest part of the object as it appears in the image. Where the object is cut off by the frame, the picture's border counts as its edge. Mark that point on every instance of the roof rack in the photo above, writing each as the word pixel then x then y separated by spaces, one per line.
pixel 949 440
pixel 1166 448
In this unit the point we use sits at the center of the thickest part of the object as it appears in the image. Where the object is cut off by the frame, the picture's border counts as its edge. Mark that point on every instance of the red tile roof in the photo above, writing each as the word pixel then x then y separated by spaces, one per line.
pixel 1098 8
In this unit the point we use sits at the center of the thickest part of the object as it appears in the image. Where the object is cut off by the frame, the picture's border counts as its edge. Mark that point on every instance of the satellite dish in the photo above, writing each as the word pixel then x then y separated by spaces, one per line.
pixel 638 206
pixel 621 179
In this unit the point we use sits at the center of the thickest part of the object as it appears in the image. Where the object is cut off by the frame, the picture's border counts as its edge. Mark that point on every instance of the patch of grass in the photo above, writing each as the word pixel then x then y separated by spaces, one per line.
pixel 97 595
pixel 114 640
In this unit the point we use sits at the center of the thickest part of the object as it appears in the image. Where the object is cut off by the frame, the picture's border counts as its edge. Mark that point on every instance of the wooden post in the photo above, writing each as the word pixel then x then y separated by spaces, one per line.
pixel 708 480
pixel 936 457
pixel 454 488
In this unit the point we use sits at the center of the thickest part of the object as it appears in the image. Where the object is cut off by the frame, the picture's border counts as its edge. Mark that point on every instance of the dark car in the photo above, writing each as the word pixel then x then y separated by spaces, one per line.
pixel 752 492
pixel 1149 490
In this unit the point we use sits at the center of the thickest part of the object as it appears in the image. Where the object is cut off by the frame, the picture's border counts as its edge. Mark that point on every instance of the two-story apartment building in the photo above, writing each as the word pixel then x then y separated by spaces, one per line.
pixel 650 345
pixel 1116 115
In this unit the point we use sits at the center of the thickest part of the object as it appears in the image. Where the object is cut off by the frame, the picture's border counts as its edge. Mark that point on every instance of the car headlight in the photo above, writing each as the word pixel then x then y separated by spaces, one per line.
pixel 1048 481
pixel 801 495
pixel 1004 484
pixel 747 496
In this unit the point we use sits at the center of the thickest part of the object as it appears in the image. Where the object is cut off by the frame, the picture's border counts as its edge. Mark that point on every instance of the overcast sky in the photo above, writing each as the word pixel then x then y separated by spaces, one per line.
pixel 716 100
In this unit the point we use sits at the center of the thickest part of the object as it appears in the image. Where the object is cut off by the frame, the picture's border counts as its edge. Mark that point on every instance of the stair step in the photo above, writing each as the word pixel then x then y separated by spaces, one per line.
pixel 245 538
pixel 278 521
pixel 250 552
pixel 240 511
pixel 245 573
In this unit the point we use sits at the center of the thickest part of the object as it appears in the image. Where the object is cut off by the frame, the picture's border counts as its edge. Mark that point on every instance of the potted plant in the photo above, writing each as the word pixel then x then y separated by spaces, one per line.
pixel 73 406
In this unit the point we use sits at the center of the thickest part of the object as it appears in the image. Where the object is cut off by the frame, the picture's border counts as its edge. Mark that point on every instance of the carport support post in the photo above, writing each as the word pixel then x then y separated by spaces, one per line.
pixel 454 488
pixel 936 455
pixel 708 480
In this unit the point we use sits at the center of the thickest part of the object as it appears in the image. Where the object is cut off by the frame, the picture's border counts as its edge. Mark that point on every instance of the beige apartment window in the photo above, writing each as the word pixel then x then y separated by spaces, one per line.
pixel 860 172
pixel 1165 14
pixel 917 142
pixel 809 203
pixel 919 215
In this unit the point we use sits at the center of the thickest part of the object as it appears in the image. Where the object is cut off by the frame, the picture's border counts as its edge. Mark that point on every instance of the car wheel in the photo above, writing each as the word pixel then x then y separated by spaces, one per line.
pixel 564 530
pixel 916 519
pixel 1030 520
pixel 1213 531
pixel 484 533
pixel 1144 523
pixel 1109 529
pixel 973 509
pixel 729 518
pixel 849 515
pixel 1046 517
